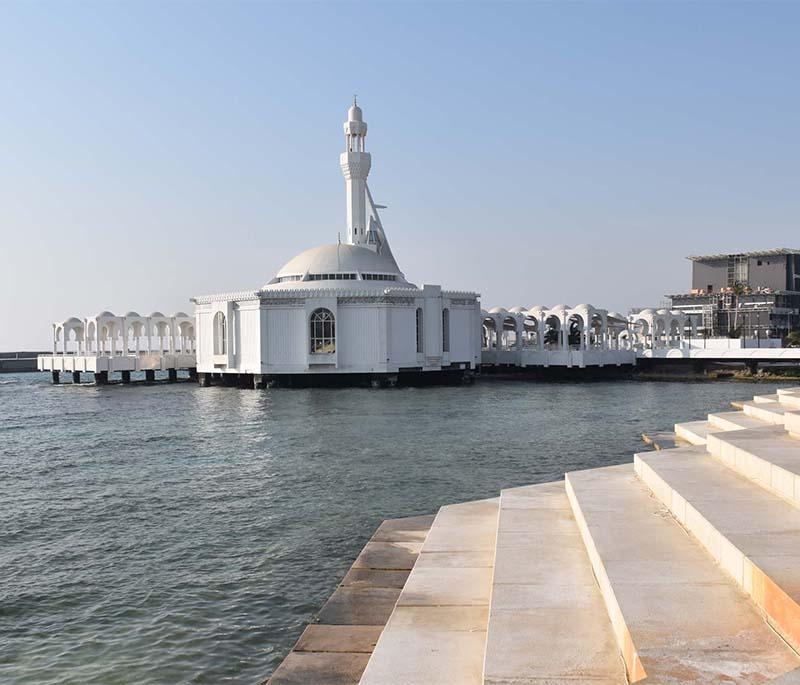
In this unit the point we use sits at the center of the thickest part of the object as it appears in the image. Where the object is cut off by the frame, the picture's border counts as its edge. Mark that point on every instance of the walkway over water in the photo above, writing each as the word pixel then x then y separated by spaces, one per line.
pixel 586 336
pixel 108 343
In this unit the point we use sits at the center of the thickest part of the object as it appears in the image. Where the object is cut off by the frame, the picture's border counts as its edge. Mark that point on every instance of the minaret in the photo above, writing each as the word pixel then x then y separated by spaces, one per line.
pixel 356 162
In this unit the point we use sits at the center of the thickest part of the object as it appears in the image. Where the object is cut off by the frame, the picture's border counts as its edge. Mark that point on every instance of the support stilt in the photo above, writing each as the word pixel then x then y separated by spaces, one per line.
pixel 173 375
pixel 56 377
pixel 149 376
pixel 204 379
pixel 76 377
pixel 101 378
pixel 126 377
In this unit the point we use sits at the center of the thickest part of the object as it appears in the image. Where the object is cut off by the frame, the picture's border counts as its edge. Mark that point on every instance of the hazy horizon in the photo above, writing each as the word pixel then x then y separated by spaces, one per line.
pixel 535 153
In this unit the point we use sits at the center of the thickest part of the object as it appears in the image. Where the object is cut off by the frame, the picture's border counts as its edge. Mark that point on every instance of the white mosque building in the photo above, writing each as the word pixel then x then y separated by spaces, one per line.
pixel 341 309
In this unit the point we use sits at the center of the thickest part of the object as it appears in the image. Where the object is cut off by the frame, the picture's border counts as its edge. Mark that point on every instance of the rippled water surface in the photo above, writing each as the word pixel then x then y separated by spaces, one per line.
pixel 178 534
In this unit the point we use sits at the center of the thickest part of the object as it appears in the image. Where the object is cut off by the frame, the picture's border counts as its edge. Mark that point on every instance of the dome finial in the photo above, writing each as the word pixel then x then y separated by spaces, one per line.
pixel 354 113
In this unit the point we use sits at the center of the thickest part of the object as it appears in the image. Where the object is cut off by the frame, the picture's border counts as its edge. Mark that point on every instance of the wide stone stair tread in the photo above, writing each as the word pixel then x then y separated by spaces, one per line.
pixel 437 631
pixel 677 617
pixel 766 398
pixel 694 432
pixel 769 411
pixel 753 534
pixel 547 621
pixel 734 420
pixel 789 397
pixel 768 456
pixel 790 678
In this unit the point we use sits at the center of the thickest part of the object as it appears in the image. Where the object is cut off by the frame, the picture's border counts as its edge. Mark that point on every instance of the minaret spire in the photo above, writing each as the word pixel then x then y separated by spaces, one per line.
pixel 356 162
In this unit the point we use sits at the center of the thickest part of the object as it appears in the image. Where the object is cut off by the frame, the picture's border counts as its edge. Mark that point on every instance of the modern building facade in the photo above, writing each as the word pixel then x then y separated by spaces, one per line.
pixel 340 309
pixel 749 295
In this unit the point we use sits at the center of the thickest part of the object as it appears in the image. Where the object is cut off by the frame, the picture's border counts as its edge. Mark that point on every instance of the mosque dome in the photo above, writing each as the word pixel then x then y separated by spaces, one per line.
pixel 351 262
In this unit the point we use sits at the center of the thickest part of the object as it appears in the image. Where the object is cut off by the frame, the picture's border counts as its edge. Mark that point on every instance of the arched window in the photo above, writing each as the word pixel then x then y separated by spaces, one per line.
pixel 220 334
pixel 445 330
pixel 419 331
pixel 322 328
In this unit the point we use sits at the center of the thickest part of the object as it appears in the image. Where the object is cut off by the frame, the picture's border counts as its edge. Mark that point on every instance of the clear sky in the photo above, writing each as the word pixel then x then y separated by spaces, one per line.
pixel 535 152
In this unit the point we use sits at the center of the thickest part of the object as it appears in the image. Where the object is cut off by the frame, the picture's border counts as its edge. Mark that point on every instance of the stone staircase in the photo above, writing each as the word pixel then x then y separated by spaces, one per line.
pixel 681 568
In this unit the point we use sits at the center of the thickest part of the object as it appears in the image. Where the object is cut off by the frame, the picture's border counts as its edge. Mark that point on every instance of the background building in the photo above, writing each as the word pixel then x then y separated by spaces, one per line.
pixel 752 294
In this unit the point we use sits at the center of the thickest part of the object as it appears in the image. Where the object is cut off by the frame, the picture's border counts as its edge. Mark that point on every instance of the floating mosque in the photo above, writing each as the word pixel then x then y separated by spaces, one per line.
pixel 344 313
pixel 341 309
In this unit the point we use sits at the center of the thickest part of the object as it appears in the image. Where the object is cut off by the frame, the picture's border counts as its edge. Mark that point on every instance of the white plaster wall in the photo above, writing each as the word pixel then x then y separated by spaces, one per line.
pixel 464 334
pixel 286 338
pixel 403 336
pixel 248 338
pixel 204 333
pixel 358 338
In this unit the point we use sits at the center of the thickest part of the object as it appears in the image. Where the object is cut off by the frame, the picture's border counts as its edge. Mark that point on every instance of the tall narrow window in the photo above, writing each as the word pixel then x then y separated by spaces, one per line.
pixel 419 331
pixel 220 334
pixel 322 330
pixel 445 330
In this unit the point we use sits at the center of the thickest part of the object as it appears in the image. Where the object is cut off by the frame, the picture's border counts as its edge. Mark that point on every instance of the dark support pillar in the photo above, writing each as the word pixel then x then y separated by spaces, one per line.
pixel 173 375
pixel 193 374
pixel 149 376
pixel 56 377
pixel 204 379
pixel 126 377
pixel 752 367
pixel 76 377
pixel 259 381
pixel 246 380
pixel 101 377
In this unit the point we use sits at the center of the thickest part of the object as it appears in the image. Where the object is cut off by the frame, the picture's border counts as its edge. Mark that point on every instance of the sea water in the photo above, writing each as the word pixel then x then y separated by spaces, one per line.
pixel 179 534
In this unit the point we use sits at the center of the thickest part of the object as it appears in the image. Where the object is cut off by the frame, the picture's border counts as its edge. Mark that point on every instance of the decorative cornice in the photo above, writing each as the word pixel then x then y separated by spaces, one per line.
pixel 226 297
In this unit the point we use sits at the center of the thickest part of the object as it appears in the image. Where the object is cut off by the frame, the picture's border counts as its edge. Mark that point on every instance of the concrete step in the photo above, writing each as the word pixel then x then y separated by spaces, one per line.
pixel 734 420
pixel 752 534
pixel 676 616
pixel 759 399
pixel 790 678
pixel 547 620
pixel 767 411
pixel 791 422
pixel 437 631
pixel 790 399
pixel 693 432
pixel 768 456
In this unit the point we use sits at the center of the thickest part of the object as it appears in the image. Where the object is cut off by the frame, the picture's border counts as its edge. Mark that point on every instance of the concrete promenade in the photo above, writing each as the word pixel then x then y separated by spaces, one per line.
pixel 681 567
